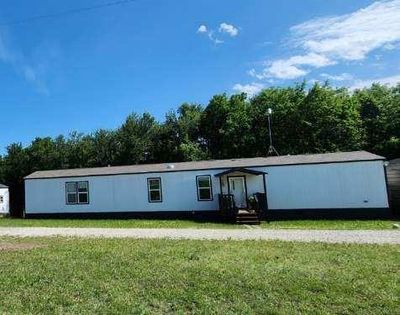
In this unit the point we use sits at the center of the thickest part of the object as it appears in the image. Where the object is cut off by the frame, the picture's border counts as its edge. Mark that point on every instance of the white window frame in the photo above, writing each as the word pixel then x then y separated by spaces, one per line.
pixel 150 190
pixel 80 193
pixel 198 178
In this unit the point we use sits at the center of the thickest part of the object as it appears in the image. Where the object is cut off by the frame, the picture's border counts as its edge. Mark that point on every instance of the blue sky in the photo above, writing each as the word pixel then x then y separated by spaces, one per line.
pixel 90 70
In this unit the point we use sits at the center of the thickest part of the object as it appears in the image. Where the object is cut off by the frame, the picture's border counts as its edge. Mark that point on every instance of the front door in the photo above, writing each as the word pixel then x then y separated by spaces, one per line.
pixel 238 189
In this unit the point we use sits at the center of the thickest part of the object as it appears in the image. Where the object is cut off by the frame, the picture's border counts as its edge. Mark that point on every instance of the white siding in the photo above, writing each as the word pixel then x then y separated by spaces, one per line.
pixel 121 193
pixel 4 207
pixel 335 185
pixel 339 185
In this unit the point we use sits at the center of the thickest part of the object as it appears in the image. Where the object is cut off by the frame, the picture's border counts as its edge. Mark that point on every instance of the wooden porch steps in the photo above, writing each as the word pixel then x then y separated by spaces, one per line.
pixel 246 217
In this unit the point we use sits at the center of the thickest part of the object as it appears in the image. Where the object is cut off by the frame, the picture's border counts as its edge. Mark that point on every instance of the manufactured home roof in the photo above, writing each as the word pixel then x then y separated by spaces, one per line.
pixel 339 157
pixel 3 186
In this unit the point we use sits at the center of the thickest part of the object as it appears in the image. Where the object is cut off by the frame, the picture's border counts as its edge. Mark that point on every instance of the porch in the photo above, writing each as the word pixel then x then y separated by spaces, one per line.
pixel 243 195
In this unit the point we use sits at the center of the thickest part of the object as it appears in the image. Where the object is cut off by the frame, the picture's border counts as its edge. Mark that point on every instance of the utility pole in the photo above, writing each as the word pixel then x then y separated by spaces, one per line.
pixel 271 149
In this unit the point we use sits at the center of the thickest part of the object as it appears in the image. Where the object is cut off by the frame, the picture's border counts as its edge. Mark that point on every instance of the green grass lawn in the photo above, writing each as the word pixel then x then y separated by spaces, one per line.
pixel 155 223
pixel 114 223
pixel 331 224
pixel 221 277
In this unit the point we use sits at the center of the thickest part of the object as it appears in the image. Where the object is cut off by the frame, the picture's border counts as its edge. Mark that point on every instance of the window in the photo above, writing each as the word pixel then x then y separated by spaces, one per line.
pixel 154 189
pixel 83 192
pixel 77 192
pixel 71 193
pixel 1 199
pixel 204 188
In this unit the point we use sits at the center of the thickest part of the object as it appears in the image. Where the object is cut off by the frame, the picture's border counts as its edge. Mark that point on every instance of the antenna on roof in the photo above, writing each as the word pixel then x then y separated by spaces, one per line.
pixel 271 149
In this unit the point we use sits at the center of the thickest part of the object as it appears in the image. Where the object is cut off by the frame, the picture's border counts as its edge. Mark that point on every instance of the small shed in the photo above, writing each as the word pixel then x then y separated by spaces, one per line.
pixel 4 200
pixel 393 178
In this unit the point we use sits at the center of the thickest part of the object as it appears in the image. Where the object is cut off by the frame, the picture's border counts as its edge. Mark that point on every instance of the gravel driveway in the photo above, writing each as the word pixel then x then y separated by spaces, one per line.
pixel 328 236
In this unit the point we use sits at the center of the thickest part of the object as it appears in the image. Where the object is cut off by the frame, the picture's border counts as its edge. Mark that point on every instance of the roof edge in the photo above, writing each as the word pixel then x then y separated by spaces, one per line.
pixel 379 158
pixel 376 157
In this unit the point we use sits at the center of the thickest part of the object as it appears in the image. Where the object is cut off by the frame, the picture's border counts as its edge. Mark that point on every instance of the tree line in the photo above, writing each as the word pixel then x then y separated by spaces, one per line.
pixel 305 120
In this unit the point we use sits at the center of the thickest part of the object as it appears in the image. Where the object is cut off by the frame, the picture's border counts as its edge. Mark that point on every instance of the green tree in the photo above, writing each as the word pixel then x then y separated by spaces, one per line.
pixel 179 137
pixel 191 146
pixel 329 121
pixel 79 150
pixel 105 147
pixel 136 138
pixel 380 114
pixel 286 121
pixel 226 125
pixel 212 124
pixel 43 154
pixel 16 166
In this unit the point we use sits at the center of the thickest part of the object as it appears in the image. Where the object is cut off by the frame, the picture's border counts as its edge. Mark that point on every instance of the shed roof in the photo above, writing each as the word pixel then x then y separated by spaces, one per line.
pixel 338 157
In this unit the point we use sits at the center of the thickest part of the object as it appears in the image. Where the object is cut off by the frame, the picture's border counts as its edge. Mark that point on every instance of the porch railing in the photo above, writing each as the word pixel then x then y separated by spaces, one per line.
pixel 227 205
pixel 259 204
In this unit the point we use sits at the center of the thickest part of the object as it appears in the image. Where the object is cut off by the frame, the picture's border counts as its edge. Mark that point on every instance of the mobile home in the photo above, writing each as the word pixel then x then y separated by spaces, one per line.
pixel 345 183
pixel 4 200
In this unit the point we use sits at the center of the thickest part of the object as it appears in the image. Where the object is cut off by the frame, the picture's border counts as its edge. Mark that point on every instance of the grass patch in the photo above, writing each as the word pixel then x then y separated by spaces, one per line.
pixel 171 276
pixel 188 223
pixel 331 224
pixel 114 223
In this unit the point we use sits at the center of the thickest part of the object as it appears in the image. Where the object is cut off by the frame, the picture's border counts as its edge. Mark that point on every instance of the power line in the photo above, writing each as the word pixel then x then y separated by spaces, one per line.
pixel 67 12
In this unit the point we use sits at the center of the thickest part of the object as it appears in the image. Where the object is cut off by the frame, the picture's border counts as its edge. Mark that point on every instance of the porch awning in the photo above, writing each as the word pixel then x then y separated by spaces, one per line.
pixel 241 170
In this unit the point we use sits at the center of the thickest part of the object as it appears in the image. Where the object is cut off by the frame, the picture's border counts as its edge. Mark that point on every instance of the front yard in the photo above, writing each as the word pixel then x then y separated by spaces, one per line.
pixel 50 276
pixel 187 223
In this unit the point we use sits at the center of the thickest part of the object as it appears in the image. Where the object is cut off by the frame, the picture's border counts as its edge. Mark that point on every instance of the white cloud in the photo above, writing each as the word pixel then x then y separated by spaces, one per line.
pixel 255 74
pixel 388 81
pixel 329 40
pixel 290 68
pixel 210 34
pixel 266 43
pixel 202 29
pixel 339 77
pixel 282 69
pixel 389 46
pixel 224 28
pixel 352 36
pixel 229 29
pixel 250 89
pixel 214 39
pixel 18 62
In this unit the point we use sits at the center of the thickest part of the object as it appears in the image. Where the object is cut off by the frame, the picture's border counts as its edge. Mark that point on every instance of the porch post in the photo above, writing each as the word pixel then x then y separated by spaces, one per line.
pixel 265 191
pixel 265 184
